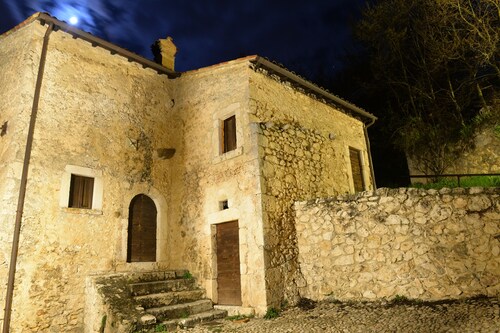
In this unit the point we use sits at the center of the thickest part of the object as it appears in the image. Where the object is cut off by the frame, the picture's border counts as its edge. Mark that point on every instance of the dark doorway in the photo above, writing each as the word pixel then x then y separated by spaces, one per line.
pixel 141 229
pixel 228 264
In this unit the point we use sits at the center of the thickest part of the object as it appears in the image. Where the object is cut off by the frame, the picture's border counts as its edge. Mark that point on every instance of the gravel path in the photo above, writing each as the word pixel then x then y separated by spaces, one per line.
pixel 470 315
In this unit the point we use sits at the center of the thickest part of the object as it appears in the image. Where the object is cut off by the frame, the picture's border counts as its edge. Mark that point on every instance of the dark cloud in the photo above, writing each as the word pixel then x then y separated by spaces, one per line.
pixel 296 33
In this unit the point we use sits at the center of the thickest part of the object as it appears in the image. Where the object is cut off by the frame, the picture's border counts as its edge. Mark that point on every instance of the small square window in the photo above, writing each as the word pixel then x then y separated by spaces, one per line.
pixel 228 134
pixel 223 205
pixel 81 192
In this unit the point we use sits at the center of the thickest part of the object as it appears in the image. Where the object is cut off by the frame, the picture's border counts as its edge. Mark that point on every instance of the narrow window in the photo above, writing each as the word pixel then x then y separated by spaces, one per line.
pixel 223 205
pixel 229 134
pixel 357 170
pixel 81 192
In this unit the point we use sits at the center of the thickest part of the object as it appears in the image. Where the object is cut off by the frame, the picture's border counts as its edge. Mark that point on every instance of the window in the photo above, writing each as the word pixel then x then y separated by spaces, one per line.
pixel 224 204
pixel 81 192
pixel 357 169
pixel 81 188
pixel 228 134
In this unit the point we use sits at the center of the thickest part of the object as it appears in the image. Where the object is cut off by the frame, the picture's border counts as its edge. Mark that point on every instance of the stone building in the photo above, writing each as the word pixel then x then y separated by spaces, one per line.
pixel 135 167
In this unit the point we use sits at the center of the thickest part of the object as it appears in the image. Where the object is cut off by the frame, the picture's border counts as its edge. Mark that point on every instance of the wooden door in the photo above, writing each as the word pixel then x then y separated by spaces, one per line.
pixel 141 229
pixel 228 264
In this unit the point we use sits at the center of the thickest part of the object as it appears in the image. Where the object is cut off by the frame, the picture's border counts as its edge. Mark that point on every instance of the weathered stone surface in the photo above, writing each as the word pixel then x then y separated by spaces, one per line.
pixel 436 247
pixel 101 112
pixel 306 164
pixel 483 157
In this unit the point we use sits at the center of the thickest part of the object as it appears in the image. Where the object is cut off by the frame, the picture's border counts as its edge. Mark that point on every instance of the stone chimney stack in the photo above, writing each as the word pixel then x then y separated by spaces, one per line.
pixel 164 51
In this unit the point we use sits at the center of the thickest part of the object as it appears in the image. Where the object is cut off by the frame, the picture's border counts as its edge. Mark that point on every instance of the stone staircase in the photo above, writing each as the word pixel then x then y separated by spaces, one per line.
pixel 148 302
pixel 174 301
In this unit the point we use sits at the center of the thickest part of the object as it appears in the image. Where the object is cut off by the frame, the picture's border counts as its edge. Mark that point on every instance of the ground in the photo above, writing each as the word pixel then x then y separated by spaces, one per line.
pixel 480 314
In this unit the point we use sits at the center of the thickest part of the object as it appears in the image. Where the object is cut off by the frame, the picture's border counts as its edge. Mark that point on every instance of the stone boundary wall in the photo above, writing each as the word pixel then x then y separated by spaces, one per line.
pixel 483 157
pixel 422 244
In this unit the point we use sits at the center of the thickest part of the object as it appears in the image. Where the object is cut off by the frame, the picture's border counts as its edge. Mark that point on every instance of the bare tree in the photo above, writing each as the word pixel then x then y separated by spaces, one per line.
pixel 438 62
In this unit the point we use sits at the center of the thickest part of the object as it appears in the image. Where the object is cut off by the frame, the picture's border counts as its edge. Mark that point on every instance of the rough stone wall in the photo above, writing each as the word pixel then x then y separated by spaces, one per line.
pixel 97 111
pixel 20 56
pixel 101 112
pixel 204 177
pixel 409 242
pixel 304 154
pixel 484 157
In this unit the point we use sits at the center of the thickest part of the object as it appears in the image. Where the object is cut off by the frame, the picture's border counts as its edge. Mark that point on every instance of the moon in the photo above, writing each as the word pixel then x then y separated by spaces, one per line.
pixel 73 20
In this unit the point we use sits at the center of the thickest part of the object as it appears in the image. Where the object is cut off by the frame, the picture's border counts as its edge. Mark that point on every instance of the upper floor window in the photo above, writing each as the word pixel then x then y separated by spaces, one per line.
pixel 81 192
pixel 228 133
pixel 81 188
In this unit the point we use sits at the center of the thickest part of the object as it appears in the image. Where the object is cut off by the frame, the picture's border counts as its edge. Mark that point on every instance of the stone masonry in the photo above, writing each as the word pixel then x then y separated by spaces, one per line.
pixel 421 244
pixel 482 157
pixel 303 154
pixel 108 117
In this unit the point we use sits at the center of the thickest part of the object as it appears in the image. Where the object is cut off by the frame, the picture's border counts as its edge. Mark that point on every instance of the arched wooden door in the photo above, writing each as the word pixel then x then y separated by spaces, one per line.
pixel 141 229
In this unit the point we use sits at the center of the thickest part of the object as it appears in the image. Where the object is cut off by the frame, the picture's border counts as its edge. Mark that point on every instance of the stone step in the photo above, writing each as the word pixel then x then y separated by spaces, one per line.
pixel 181 310
pixel 195 319
pixel 156 287
pixel 150 276
pixel 169 298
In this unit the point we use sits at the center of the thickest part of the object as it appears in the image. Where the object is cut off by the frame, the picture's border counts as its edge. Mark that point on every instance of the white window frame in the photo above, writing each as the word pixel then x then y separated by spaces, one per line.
pixel 217 139
pixel 86 172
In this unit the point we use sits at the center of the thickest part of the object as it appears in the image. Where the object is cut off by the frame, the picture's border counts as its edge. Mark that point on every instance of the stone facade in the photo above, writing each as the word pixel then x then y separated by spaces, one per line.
pixel 420 244
pixel 88 115
pixel 304 154
pixel 109 117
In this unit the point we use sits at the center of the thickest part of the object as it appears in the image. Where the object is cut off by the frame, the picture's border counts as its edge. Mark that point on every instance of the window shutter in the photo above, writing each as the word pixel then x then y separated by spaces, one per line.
pixel 229 134
pixel 81 192
pixel 357 169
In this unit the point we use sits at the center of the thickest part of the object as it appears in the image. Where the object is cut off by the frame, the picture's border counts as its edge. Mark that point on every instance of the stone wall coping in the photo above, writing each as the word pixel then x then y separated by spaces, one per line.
pixel 389 192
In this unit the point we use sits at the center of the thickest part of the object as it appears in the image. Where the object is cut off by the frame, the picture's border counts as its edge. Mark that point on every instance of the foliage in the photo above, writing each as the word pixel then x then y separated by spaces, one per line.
pixel 187 275
pixel 436 63
pixel 272 313
pixel 400 299
pixel 103 324
pixel 160 328
pixel 475 181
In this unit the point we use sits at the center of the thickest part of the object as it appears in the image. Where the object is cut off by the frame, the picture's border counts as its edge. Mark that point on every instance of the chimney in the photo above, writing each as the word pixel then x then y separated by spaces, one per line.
pixel 164 51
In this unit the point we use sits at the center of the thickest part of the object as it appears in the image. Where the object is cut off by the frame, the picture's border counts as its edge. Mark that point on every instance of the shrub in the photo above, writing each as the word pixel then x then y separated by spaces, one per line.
pixel 272 313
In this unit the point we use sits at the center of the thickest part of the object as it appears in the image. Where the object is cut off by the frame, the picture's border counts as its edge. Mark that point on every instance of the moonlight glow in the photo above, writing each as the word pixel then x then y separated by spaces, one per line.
pixel 73 20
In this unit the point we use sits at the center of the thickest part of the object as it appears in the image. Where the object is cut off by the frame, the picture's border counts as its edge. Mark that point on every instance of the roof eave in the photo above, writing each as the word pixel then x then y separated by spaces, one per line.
pixel 366 116
pixel 96 41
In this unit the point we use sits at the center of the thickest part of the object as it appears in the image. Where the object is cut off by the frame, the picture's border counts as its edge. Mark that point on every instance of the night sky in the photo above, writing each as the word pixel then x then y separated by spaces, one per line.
pixel 308 37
